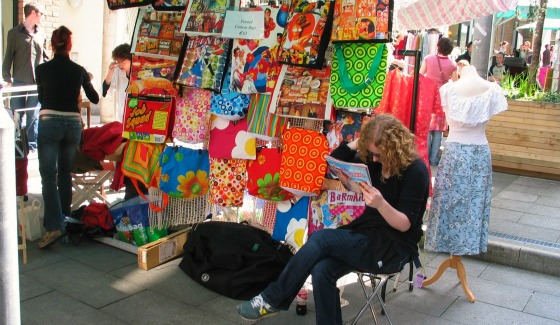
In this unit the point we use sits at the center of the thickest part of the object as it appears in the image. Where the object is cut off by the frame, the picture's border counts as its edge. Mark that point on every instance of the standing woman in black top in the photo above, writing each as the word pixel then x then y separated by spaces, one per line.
pixel 60 130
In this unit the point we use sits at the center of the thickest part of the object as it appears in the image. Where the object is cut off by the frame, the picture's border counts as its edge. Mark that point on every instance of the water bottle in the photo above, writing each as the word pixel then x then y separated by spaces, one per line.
pixel 301 302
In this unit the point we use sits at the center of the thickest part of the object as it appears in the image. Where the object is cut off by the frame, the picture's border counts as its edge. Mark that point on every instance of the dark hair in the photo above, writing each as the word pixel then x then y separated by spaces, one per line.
pixel 61 41
pixel 122 52
pixel 30 7
pixel 445 46
pixel 469 44
pixel 371 25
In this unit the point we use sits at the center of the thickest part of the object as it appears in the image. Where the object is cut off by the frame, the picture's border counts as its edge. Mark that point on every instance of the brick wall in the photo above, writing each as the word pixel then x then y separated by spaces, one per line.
pixel 51 18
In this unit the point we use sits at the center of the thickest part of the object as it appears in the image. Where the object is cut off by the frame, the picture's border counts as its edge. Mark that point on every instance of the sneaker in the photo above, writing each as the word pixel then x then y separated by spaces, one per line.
pixel 50 238
pixel 256 309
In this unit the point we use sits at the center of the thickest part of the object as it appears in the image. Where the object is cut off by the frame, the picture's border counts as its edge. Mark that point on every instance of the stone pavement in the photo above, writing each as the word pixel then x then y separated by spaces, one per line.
pixel 516 282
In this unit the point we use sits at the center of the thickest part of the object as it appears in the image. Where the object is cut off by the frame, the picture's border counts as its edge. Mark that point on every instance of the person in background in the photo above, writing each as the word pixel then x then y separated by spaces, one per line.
pixel 503 47
pixel 60 129
pixel 381 240
pixel 460 65
pixel 546 56
pixel 439 68
pixel 117 79
pixel 25 50
pixel 497 71
pixel 467 55
pixel 552 57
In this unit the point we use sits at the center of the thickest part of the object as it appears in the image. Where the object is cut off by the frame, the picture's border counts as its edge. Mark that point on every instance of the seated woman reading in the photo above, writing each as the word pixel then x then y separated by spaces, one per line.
pixel 382 240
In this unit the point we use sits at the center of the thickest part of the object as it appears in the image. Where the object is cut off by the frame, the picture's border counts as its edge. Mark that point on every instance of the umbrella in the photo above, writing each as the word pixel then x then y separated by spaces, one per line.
pixel 549 24
pixel 433 13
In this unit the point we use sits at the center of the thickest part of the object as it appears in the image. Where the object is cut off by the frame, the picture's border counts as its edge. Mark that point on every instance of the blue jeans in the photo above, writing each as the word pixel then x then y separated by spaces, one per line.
pixel 328 255
pixel 434 142
pixel 30 115
pixel 59 138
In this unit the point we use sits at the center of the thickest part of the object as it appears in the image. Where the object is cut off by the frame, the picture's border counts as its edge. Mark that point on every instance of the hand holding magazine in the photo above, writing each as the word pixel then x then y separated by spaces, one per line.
pixel 350 174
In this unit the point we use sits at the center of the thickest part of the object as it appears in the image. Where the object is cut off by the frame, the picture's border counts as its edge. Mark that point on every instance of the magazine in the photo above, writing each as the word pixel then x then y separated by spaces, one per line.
pixel 349 174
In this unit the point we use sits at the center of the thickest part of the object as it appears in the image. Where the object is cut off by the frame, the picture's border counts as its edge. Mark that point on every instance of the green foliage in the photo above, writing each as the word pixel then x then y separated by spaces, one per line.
pixel 519 87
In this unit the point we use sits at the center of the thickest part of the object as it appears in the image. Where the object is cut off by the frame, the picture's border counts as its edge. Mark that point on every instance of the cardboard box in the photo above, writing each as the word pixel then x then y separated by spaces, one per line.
pixel 162 250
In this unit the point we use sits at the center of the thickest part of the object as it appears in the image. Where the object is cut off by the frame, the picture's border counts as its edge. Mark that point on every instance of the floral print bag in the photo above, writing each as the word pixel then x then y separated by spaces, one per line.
pixel 184 172
pixel 263 176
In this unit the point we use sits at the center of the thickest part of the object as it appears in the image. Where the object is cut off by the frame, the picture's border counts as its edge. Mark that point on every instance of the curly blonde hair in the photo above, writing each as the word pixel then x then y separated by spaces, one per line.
pixel 394 141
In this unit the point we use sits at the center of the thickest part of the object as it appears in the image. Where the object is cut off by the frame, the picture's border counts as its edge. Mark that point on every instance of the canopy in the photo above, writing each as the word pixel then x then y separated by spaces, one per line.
pixel 523 6
pixel 421 14
pixel 549 24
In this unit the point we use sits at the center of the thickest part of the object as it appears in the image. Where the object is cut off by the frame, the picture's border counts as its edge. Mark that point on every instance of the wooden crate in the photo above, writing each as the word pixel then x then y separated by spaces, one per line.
pixel 525 139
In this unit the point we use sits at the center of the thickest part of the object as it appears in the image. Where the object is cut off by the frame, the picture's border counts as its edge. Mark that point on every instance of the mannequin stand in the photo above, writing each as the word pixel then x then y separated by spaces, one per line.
pixel 454 262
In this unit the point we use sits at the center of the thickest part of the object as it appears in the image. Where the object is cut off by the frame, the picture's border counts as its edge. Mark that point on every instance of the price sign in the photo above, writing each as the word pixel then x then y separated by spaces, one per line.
pixel 244 24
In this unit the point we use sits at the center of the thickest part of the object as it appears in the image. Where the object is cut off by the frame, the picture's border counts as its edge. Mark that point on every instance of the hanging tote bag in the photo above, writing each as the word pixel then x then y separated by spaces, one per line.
pixel 192 115
pixel 362 20
pixel 184 172
pixel 307 33
pixel 141 162
pixel 148 118
pixel 231 140
pixel 204 61
pixel 228 181
pixel 228 104
pixel 358 75
pixel 303 165
pixel 263 176
pixel 261 123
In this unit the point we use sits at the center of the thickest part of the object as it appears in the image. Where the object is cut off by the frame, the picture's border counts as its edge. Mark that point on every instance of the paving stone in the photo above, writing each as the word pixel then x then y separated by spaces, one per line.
pixel 75 279
pixel 522 278
pixel 551 223
pixel 150 308
pixel 29 288
pixel 548 201
pixel 519 196
pixel 505 214
pixel 56 308
pixel 536 182
pixel 465 312
pixel 512 205
pixel 544 305
pixel 524 231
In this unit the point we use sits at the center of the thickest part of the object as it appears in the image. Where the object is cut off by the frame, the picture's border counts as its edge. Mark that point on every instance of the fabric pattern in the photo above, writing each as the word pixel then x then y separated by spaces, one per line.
pixel 184 172
pixel 460 211
pixel 192 116
pixel 358 59
pixel 228 104
pixel 303 165
pixel 227 181
pixel 141 161
pixel 291 222
pixel 231 140
pixel 264 176
pixel 261 123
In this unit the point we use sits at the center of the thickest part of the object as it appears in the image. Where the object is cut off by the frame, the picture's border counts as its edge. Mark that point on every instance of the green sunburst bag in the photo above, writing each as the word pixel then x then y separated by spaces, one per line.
pixel 358 75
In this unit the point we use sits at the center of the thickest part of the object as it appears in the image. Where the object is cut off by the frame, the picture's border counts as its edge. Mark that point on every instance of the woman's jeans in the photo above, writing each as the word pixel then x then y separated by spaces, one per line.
pixel 58 139
pixel 328 255
pixel 434 143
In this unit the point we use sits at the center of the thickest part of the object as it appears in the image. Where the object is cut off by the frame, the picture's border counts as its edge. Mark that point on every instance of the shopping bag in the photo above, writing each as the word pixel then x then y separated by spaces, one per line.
pixel 358 75
pixel 184 172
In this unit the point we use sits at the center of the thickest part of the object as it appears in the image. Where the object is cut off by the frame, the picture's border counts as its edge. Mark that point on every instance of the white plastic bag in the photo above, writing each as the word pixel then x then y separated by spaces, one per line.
pixel 34 226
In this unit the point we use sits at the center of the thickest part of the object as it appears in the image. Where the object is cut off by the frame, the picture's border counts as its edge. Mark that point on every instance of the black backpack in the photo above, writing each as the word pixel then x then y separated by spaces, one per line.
pixel 232 259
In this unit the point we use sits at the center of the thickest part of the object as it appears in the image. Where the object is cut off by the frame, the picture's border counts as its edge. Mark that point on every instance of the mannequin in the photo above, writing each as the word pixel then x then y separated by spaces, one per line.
pixel 459 217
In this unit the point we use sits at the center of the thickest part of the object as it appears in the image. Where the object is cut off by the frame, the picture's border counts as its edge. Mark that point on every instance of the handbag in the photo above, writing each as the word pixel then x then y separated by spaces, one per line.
pixel 192 115
pixel 227 181
pixel 307 33
pixel 231 140
pixel 184 172
pixel 358 75
pixel 141 162
pixel 260 122
pixel 204 60
pixel 362 20
pixel 147 118
pixel 254 64
pixel 302 92
pixel 263 176
pixel 303 165
pixel 228 104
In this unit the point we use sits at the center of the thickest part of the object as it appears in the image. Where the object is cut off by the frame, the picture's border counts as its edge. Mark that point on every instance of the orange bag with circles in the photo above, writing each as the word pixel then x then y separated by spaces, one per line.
pixel 303 165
